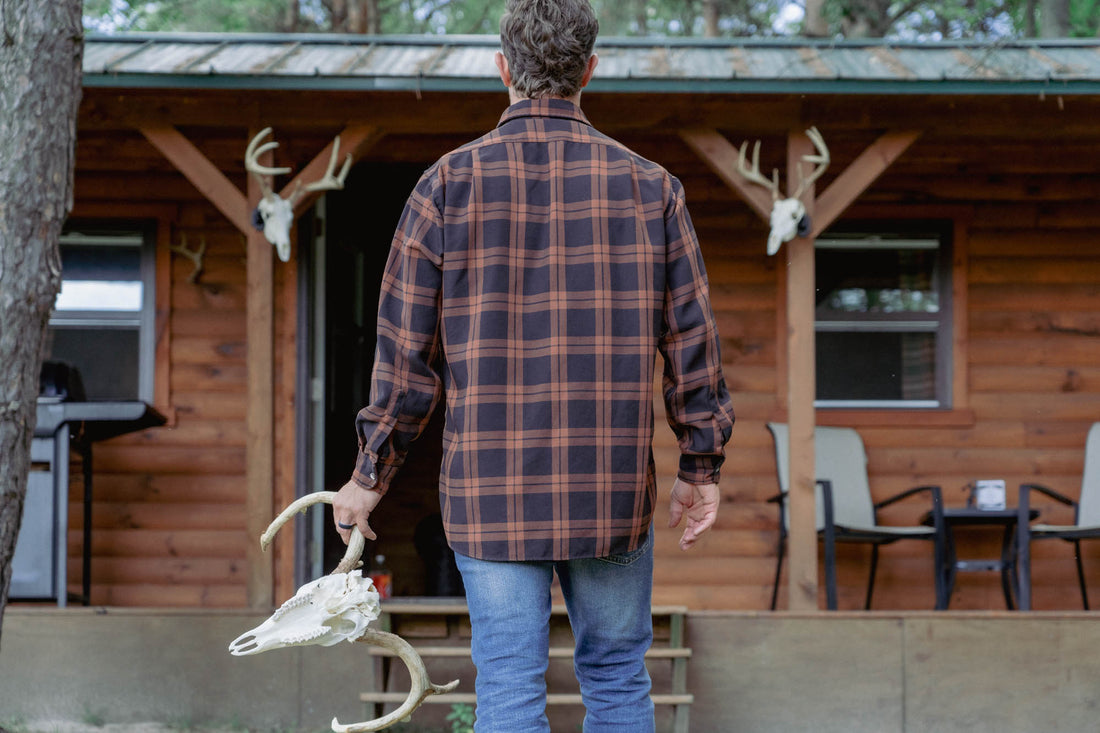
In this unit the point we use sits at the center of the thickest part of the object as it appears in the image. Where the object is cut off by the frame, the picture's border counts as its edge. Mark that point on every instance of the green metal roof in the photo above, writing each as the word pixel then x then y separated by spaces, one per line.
pixel 465 63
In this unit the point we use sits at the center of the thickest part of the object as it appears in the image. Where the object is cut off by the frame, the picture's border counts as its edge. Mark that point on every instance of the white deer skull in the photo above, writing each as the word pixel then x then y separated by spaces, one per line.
pixel 788 217
pixel 325 612
pixel 276 214
pixel 337 608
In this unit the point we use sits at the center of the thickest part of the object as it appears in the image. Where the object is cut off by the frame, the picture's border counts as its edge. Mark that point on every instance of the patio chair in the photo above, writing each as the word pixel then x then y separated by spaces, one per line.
pixel 845 512
pixel 1086 520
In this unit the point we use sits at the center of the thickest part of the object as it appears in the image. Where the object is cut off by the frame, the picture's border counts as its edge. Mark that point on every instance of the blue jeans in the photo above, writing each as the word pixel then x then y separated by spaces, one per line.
pixel 608 600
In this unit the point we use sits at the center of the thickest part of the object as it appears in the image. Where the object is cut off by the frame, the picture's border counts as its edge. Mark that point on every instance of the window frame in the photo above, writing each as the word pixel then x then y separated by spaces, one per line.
pixel 959 218
pixel 879 235
pixel 145 319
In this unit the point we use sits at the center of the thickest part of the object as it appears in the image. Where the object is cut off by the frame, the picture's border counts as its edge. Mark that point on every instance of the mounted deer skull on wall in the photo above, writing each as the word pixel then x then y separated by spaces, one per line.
pixel 788 217
pixel 274 214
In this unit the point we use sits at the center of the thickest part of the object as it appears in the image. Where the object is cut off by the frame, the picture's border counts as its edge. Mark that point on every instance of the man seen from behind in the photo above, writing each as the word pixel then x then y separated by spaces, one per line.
pixel 534 277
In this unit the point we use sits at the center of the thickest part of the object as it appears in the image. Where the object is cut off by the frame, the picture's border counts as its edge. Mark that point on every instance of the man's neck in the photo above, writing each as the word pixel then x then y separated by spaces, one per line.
pixel 514 98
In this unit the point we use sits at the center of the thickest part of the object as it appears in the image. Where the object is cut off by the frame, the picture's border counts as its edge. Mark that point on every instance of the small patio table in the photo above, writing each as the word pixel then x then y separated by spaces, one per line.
pixel 954 517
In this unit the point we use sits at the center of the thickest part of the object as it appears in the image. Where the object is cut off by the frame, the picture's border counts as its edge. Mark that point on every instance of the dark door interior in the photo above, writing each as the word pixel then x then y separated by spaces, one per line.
pixel 360 223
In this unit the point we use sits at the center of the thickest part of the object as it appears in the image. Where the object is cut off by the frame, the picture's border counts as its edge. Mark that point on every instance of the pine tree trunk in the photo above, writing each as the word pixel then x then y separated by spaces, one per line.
pixel 373 17
pixel 291 16
pixel 710 19
pixel 813 23
pixel 40 55
pixel 1053 18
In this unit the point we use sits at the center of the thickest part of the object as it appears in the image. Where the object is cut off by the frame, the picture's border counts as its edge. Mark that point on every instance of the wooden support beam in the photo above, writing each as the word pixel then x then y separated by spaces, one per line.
pixel 354 139
pixel 260 422
pixel 858 176
pixel 205 176
pixel 801 388
pixel 720 155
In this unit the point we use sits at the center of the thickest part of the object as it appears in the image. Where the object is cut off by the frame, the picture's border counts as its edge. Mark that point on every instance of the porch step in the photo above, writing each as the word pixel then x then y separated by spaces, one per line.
pixel 470 698
pixel 449 622
pixel 557 652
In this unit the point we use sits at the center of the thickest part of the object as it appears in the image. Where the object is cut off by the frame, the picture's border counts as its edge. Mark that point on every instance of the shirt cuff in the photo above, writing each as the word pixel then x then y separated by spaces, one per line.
pixel 372 475
pixel 365 473
pixel 700 469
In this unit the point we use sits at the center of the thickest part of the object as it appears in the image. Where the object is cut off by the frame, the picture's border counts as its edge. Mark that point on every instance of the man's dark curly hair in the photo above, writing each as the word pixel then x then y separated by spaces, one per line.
pixel 547 44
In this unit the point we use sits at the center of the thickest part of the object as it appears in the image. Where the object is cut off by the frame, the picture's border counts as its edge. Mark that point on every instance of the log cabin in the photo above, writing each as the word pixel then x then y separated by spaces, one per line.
pixel 962 174
pixel 965 172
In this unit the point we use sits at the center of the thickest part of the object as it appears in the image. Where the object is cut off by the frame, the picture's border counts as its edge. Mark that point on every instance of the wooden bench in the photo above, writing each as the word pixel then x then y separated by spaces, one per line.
pixel 440 630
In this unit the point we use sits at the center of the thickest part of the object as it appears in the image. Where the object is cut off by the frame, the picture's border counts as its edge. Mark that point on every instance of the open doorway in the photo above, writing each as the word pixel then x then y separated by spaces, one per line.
pixel 342 273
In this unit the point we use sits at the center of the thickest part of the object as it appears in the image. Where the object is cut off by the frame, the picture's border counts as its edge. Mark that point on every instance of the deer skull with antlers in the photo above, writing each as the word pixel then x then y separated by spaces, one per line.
pixel 337 608
pixel 276 214
pixel 788 217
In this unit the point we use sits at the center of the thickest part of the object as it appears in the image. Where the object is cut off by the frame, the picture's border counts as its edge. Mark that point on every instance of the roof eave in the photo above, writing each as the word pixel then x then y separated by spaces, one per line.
pixel 945 87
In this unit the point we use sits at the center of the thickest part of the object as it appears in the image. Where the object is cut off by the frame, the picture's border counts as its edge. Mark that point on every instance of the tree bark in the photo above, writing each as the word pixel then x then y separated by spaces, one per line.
pixel 373 16
pixel 710 19
pixel 291 16
pixel 813 23
pixel 338 14
pixel 641 18
pixel 41 46
pixel 1053 18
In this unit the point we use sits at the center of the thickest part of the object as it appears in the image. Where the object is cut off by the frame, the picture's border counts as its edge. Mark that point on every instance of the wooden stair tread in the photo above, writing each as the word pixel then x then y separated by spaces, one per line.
pixel 555 652
pixel 553 698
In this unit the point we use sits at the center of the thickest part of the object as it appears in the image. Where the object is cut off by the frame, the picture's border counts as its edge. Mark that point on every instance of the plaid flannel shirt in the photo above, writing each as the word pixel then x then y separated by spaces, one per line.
pixel 534 276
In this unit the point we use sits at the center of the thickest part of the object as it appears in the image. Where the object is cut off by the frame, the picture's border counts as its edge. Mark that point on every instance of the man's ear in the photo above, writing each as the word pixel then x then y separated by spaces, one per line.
pixel 589 69
pixel 502 67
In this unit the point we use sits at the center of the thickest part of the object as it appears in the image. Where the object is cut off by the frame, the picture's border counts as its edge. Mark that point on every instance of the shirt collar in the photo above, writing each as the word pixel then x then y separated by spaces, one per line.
pixel 545 107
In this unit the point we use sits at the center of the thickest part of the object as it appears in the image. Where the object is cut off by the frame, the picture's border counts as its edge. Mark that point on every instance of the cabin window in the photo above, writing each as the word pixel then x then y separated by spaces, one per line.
pixel 103 318
pixel 883 320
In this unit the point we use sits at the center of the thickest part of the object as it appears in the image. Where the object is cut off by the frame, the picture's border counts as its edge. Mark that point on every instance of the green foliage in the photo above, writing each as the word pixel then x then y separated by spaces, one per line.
pixel 185 15
pixel 1084 18
pixel 906 19
pixel 93 717
pixel 461 718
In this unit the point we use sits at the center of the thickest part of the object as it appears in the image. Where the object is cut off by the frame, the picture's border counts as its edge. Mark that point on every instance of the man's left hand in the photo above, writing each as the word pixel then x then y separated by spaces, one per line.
pixel 700 503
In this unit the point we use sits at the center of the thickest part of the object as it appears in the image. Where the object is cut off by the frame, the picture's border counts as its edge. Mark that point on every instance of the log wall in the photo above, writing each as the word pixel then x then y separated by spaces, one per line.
pixel 169 512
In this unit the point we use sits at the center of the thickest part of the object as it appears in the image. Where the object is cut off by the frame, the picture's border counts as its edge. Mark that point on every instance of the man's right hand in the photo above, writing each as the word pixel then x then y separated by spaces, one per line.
pixel 697 502
pixel 352 507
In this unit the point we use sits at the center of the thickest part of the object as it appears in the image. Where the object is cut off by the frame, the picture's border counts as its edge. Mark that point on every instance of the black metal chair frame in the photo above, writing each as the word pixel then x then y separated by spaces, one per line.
pixel 1025 534
pixel 832 533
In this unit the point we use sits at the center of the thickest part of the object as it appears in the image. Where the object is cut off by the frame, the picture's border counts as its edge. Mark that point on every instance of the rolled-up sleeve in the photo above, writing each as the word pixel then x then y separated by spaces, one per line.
pixel 697 402
pixel 406 382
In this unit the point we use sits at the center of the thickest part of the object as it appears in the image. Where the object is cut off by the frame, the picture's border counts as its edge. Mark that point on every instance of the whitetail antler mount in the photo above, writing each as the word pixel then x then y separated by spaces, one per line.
pixel 788 216
pixel 337 608
pixel 274 214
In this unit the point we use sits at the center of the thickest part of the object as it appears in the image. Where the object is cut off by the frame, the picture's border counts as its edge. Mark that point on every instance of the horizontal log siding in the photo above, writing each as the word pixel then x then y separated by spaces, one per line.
pixel 1033 380
pixel 169 504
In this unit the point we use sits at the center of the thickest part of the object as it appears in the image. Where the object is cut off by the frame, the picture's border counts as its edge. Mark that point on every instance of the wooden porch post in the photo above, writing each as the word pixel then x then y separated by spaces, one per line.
pixel 260 420
pixel 801 383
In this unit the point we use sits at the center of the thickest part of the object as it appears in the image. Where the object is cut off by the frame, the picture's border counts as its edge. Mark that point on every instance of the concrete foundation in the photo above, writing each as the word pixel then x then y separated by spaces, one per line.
pixel 878 672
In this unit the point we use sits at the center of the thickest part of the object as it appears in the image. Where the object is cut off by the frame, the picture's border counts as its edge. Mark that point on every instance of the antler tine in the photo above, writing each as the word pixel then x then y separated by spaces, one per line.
pixel 422 686
pixel 821 160
pixel 327 182
pixel 351 557
pixel 754 175
pixel 252 164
